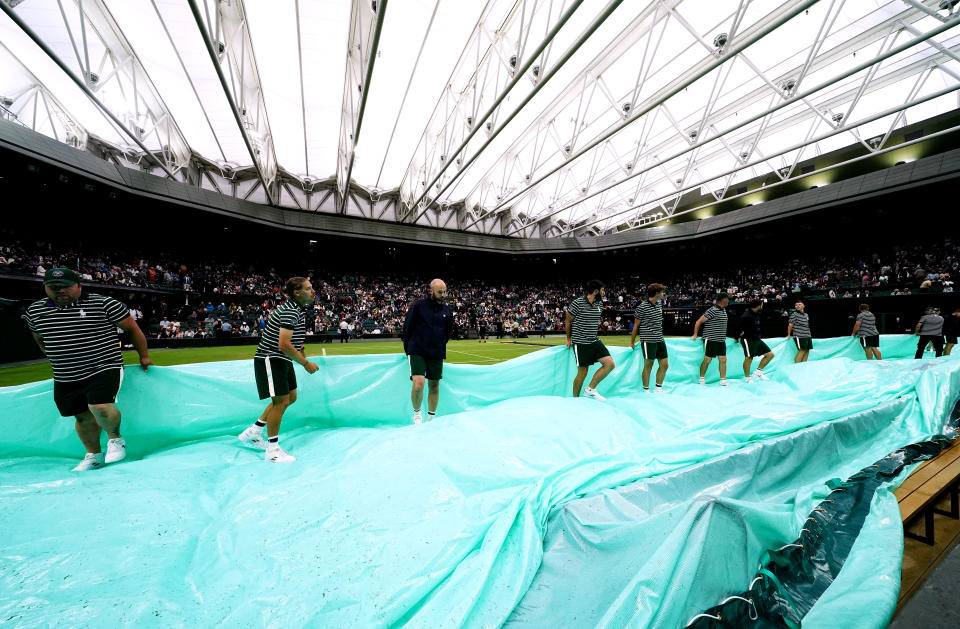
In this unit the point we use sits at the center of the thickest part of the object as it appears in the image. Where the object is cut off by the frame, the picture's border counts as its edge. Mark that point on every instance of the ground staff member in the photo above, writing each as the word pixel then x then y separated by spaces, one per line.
pixel 752 343
pixel 714 322
pixel 798 328
pixel 426 329
pixel 930 330
pixel 583 321
pixel 865 327
pixel 77 331
pixel 648 320
pixel 280 346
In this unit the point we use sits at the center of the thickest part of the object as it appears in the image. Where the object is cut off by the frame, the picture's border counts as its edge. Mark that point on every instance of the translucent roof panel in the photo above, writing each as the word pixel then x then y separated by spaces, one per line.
pixel 534 116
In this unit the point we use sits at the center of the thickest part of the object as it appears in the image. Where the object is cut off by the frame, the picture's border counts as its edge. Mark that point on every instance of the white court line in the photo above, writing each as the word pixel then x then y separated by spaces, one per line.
pixel 457 351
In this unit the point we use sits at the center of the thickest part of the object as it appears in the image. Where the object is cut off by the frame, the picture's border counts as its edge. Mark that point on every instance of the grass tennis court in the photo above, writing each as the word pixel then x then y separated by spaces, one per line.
pixel 470 352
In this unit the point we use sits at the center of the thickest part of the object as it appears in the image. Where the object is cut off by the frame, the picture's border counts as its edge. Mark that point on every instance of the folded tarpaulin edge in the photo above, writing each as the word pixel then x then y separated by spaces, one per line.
pixel 791 579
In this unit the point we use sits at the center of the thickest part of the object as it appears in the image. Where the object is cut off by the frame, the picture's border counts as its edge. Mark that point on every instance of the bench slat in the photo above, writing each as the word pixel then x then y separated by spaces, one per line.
pixel 929 491
pixel 927 471
pixel 922 474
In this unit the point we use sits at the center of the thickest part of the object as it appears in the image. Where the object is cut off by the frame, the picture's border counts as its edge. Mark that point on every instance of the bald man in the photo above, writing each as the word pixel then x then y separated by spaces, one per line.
pixel 426 330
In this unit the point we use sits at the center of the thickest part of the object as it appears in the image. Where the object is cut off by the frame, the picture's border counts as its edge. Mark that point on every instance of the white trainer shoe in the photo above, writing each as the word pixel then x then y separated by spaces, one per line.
pixel 759 375
pixel 116 450
pixel 703 382
pixel 277 454
pixel 253 436
pixel 417 417
pixel 592 393
pixel 724 383
pixel 748 379
pixel 659 391
pixel 90 462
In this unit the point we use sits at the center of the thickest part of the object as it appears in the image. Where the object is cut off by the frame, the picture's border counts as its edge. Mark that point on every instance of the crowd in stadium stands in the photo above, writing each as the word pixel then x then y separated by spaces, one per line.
pixel 371 306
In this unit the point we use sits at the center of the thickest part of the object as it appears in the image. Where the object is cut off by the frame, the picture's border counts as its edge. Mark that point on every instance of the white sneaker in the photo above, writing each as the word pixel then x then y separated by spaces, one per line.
pixel 724 383
pixel 253 436
pixel 417 417
pixel 592 393
pixel 116 450
pixel 759 375
pixel 90 462
pixel 659 391
pixel 645 391
pixel 703 382
pixel 276 454
pixel 748 379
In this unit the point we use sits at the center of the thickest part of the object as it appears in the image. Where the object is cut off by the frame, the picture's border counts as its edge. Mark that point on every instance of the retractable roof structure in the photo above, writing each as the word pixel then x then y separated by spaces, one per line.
pixel 523 118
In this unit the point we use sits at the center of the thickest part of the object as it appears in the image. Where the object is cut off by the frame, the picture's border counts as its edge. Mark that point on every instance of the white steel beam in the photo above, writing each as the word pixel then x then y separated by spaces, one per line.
pixel 771 24
pixel 58 118
pixel 579 94
pixel 434 173
pixel 732 49
pixel 227 39
pixel 366 24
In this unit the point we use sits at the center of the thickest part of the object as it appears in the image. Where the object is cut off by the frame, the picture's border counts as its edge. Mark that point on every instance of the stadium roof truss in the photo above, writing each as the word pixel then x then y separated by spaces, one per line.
pixel 524 118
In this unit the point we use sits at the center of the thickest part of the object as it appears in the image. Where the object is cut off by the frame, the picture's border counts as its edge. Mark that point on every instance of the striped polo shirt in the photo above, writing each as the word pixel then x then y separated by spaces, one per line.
pixel 801 324
pixel 715 326
pixel 586 320
pixel 290 316
pixel 80 339
pixel 650 317
pixel 868 324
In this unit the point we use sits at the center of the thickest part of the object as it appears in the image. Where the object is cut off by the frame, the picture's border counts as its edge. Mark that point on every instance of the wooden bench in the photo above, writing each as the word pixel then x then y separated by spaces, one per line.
pixel 921 497
pixel 920 493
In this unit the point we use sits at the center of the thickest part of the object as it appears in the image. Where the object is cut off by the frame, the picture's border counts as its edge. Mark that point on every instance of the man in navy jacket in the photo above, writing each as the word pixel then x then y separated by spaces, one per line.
pixel 426 330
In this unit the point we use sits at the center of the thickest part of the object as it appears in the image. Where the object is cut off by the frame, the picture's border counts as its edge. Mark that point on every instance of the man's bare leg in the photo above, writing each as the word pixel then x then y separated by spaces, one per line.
pixel 416 392
pixel 89 431
pixel 108 418
pixel 645 374
pixel 662 367
pixel 433 395
pixel 606 366
pixel 578 380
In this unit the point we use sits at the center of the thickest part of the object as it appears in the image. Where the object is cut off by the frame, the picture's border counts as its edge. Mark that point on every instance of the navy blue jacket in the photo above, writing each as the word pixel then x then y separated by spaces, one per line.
pixel 427 329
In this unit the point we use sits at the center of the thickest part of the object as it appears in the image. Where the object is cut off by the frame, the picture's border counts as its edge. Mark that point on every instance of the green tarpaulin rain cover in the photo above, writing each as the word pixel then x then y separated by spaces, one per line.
pixel 518 506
